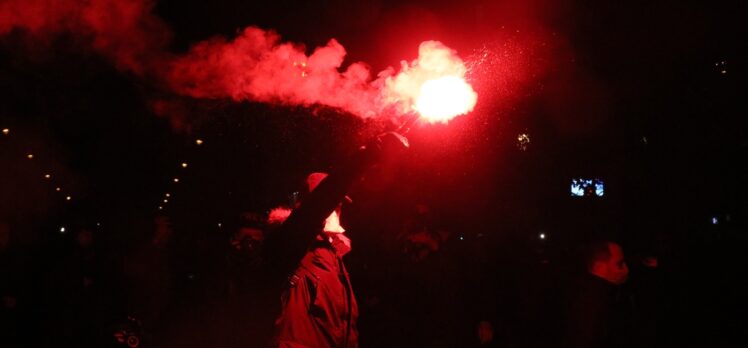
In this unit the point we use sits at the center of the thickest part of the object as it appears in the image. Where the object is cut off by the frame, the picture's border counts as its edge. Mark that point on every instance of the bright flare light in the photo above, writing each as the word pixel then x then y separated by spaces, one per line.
pixel 433 85
pixel 440 100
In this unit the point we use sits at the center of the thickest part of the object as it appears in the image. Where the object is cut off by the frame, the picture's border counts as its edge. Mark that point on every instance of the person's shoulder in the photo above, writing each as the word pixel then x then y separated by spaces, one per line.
pixel 588 288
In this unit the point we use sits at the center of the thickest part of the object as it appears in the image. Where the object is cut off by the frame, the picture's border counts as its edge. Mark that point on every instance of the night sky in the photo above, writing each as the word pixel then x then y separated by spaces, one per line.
pixel 647 96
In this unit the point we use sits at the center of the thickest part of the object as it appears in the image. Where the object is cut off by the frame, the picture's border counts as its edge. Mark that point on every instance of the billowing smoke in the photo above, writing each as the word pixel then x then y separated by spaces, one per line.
pixel 257 66
pixel 254 66
pixel 124 31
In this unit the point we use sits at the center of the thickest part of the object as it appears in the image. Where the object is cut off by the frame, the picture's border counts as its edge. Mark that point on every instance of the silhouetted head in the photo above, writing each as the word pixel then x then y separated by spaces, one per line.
pixel 163 232
pixel 605 260
pixel 249 235
pixel 84 238
pixel 313 179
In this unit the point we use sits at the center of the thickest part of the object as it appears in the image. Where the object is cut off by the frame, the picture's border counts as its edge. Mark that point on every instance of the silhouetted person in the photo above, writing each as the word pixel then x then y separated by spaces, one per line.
pixel 11 289
pixel 596 310
pixel 318 306
pixel 428 287
pixel 486 335
pixel 646 287
pixel 81 292
pixel 149 276
pixel 245 258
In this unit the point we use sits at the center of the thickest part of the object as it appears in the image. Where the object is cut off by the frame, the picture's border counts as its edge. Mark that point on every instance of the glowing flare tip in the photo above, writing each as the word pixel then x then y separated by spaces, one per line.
pixel 444 98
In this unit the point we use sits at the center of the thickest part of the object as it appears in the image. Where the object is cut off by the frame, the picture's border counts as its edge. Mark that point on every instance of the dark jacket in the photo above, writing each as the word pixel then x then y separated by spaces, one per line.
pixel 596 314
pixel 318 305
pixel 319 309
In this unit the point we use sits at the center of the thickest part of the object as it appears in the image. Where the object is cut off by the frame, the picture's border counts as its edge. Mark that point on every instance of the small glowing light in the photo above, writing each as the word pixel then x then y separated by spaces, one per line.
pixel 523 140
pixel 68 198
pixel 199 141
pixel 58 189
pixel 303 74
pixel 722 66
pixel 715 220
pixel 168 194
pixel 47 176
pixel 30 156
pixel 62 229
pixel 166 201
pixel 462 237
pixel 6 131
pixel 542 236
pixel 176 179
pixel 220 225
pixel 184 164
pixel 160 208
pixel 98 224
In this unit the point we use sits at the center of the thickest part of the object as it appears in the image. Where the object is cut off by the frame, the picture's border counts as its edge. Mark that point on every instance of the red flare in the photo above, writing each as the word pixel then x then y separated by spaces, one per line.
pixel 433 85
pixel 442 99
pixel 255 65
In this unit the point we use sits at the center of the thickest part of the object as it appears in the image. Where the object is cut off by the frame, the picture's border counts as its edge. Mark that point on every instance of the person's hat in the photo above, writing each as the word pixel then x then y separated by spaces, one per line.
pixel 313 180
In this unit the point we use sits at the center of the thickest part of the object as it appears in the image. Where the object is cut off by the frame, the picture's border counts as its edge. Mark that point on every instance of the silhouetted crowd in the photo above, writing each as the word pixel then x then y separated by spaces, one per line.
pixel 423 286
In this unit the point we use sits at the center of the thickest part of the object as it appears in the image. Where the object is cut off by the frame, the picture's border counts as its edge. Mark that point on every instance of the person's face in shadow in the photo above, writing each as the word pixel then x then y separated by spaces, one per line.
pixel 163 232
pixel 84 238
pixel 617 270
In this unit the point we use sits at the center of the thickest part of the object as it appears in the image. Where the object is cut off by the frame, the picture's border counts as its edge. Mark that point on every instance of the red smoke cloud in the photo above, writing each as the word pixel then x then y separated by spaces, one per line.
pixel 254 66
pixel 257 66
pixel 124 31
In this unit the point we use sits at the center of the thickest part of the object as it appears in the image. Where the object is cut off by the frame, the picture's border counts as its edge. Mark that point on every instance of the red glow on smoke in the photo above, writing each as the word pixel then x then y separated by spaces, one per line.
pixel 125 31
pixel 257 66
pixel 254 66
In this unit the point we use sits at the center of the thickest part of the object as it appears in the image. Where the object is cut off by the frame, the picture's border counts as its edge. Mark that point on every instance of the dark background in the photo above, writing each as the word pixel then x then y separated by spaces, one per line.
pixel 633 93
